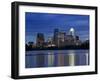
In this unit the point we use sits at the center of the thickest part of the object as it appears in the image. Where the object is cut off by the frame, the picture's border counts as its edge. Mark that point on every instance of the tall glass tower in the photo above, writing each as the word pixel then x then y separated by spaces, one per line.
pixel 72 32
pixel 56 31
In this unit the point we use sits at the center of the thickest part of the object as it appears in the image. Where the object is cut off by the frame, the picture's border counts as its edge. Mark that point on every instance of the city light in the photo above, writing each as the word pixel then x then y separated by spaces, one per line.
pixel 60 39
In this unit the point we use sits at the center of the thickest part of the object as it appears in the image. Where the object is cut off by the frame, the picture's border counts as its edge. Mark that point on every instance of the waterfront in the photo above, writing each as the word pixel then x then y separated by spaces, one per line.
pixel 56 58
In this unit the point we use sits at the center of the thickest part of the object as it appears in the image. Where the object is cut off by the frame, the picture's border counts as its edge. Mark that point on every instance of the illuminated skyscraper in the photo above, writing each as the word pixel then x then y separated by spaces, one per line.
pixel 72 32
pixel 61 38
pixel 50 42
pixel 70 38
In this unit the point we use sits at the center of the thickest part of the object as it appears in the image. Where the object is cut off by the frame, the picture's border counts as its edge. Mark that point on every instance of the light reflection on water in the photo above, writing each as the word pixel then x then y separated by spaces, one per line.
pixel 55 58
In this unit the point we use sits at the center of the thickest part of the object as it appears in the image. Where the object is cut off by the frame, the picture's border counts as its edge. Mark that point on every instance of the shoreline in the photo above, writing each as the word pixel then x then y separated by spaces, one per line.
pixel 66 48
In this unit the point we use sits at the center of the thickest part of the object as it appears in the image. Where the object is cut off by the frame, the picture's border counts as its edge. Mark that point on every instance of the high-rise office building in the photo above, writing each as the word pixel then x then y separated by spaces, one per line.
pixel 40 40
pixel 72 32
pixel 55 37
pixel 50 42
pixel 77 37
pixel 69 40
pixel 77 41
pixel 61 39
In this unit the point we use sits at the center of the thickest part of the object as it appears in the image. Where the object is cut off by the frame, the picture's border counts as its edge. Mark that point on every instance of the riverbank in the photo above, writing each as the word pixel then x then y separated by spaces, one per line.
pixel 59 48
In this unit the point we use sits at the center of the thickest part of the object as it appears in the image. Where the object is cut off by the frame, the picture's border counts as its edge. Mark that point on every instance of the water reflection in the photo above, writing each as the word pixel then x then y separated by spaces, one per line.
pixel 56 58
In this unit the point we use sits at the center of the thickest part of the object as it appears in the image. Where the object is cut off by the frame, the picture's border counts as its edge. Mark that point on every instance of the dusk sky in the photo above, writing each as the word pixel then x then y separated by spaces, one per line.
pixel 47 22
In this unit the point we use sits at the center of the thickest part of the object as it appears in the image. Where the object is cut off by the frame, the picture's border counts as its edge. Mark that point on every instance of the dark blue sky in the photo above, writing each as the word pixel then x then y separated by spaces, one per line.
pixel 47 22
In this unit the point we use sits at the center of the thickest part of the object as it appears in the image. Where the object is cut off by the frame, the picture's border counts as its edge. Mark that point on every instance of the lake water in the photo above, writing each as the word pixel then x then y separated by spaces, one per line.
pixel 56 58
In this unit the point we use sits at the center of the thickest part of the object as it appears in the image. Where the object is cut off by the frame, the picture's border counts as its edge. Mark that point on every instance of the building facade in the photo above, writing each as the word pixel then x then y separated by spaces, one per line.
pixel 40 40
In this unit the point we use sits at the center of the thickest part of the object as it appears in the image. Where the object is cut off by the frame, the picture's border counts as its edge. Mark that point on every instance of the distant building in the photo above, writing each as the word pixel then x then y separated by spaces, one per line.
pixel 69 40
pixel 40 40
pixel 77 38
pixel 61 39
pixel 77 41
pixel 50 42
pixel 72 32
pixel 55 37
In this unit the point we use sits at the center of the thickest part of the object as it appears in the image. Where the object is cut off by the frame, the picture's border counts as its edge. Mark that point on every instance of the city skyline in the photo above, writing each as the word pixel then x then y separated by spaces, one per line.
pixel 46 23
